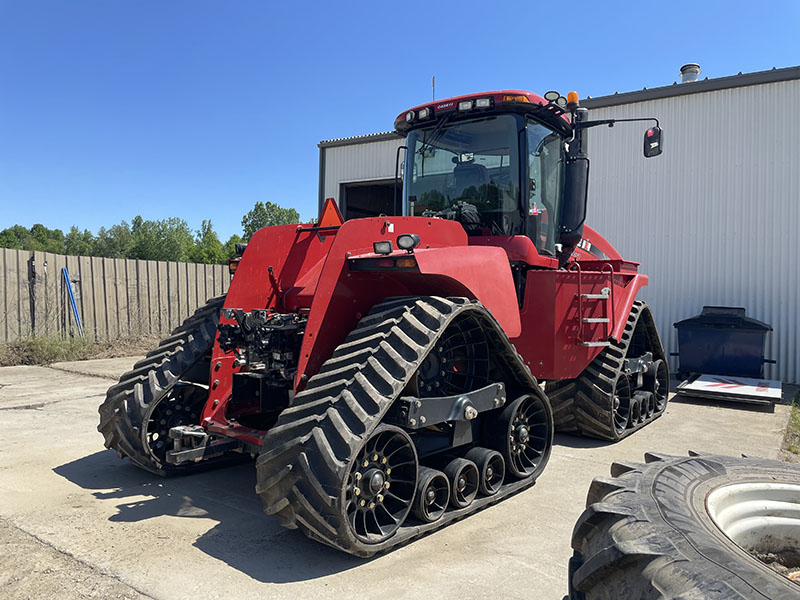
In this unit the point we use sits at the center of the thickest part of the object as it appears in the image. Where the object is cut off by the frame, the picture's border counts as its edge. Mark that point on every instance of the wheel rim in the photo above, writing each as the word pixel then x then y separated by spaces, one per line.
pixel 526 435
pixel 464 484
pixel 380 486
pixel 181 406
pixel 762 518
pixel 492 474
pixel 621 403
pixel 434 494
pixel 459 362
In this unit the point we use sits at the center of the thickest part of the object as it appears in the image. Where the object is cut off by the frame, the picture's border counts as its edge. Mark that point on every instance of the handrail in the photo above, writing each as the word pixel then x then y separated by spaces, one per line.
pixel 580 299
pixel 613 319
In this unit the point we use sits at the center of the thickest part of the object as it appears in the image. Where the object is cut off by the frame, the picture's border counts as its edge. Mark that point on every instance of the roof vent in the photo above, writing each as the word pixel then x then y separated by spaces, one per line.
pixel 689 72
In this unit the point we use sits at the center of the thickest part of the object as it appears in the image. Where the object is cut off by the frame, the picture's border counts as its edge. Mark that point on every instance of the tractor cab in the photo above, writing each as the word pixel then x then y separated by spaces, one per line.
pixel 503 164
pixel 494 162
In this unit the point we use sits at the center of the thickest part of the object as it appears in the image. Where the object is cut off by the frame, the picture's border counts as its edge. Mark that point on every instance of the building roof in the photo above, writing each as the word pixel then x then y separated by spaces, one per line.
pixel 675 89
pixel 360 139
pixel 694 87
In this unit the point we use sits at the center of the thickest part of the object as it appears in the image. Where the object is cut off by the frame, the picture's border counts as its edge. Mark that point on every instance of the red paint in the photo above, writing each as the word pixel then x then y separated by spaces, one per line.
pixel 311 275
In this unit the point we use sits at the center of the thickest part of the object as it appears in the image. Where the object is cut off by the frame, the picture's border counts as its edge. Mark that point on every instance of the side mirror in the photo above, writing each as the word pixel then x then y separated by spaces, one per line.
pixel 652 142
pixel 573 207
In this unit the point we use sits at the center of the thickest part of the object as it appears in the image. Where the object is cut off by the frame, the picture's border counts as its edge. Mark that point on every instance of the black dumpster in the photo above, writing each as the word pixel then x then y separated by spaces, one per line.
pixel 721 340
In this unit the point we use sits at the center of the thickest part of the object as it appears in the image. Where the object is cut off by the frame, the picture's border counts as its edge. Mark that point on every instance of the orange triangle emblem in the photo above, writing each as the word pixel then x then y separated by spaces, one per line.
pixel 331 217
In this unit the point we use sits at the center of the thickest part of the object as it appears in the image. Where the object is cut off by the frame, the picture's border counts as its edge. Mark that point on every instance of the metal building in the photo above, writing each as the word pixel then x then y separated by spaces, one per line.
pixel 713 220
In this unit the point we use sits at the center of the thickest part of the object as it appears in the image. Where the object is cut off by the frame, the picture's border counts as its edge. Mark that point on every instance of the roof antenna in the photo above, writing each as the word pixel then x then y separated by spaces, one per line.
pixel 433 88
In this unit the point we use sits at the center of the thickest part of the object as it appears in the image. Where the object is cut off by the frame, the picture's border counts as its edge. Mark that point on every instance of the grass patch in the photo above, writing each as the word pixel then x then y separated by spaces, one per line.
pixel 791 441
pixel 46 350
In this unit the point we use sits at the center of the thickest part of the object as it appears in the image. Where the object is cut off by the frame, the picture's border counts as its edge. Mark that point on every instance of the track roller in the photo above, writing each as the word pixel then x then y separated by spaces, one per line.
pixel 433 494
pixel 656 380
pixel 636 410
pixel 623 404
pixel 464 477
pixel 492 469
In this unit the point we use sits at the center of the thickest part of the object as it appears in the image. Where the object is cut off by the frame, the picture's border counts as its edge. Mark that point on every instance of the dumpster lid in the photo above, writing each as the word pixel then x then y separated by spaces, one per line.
pixel 724 317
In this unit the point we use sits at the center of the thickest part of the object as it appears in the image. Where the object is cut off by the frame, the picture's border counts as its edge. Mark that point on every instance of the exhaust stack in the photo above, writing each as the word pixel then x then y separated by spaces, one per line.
pixel 689 72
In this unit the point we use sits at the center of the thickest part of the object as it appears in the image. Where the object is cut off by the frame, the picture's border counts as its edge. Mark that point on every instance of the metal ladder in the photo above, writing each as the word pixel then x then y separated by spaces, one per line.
pixel 605 295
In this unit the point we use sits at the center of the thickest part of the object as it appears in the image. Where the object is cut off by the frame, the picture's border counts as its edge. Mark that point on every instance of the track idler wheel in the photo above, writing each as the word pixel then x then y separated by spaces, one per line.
pixel 492 469
pixel 379 490
pixel 522 435
pixel 656 380
pixel 433 494
pixel 464 480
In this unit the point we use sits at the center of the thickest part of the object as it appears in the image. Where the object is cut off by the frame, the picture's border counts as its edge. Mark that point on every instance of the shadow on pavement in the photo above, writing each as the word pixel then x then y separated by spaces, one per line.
pixel 578 441
pixel 731 404
pixel 244 537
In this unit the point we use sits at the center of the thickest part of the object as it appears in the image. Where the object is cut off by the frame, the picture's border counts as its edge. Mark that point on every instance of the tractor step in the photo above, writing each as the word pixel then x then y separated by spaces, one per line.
pixel 604 294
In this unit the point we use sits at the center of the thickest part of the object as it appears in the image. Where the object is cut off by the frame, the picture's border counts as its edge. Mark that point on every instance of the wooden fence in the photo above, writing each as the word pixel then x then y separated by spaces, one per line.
pixel 115 298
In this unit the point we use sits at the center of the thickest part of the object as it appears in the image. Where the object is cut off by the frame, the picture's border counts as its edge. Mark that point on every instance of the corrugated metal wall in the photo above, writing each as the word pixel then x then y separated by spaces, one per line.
pixel 359 162
pixel 715 219
pixel 116 298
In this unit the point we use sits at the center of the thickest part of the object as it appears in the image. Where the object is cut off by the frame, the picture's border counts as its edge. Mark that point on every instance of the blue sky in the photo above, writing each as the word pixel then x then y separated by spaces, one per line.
pixel 198 109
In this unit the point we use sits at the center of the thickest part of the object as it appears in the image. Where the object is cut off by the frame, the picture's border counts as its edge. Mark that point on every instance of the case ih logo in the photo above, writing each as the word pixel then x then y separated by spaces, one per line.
pixel 445 105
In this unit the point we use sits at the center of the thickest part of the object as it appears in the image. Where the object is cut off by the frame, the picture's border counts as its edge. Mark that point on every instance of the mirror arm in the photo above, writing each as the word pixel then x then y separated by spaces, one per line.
pixel 611 122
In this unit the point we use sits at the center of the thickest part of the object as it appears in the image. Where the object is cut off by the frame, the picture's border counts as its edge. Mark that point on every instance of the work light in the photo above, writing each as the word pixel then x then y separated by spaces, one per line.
pixel 382 247
pixel 407 241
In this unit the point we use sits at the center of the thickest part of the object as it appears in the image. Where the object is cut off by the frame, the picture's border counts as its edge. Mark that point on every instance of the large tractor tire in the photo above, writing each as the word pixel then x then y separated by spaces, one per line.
pixel 600 402
pixel 167 388
pixel 334 469
pixel 704 527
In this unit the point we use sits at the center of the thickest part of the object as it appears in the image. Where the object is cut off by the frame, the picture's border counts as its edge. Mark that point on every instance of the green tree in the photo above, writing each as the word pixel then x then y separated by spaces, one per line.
pixel 230 246
pixel 266 214
pixel 47 240
pixel 14 237
pixel 79 243
pixel 207 248
pixel 115 242
pixel 167 239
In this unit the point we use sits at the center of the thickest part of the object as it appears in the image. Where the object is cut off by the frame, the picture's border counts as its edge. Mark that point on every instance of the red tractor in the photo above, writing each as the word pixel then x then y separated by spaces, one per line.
pixel 393 374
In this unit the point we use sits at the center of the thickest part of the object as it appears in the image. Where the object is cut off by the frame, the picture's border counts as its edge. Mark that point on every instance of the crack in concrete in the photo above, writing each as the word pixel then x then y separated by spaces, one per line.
pixel 81 561
pixel 77 372
pixel 38 405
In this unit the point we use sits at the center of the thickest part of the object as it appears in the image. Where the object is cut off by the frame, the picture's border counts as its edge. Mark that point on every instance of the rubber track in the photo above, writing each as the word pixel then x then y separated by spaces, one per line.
pixel 127 402
pixel 306 456
pixel 641 535
pixel 583 405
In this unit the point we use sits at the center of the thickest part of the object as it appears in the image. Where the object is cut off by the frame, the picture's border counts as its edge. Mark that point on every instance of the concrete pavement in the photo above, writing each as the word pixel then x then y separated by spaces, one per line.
pixel 132 534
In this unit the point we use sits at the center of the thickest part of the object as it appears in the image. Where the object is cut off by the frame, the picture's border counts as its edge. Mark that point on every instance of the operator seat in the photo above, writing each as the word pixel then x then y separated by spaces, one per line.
pixel 468 175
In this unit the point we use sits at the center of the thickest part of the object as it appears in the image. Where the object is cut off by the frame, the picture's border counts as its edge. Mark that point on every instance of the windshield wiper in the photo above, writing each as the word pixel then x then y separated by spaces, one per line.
pixel 437 131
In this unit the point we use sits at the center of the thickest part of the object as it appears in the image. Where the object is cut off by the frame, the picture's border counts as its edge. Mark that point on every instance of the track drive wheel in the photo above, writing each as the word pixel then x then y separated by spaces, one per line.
pixel 522 435
pixel 433 494
pixel 167 388
pixel 380 487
